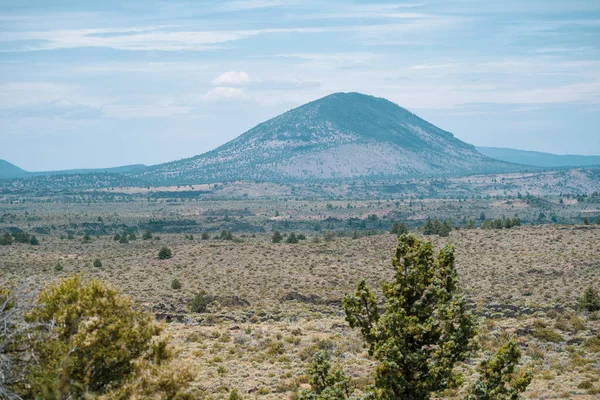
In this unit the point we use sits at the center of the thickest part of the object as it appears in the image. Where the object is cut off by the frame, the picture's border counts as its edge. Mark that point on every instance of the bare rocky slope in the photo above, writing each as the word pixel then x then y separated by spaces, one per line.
pixel 340 136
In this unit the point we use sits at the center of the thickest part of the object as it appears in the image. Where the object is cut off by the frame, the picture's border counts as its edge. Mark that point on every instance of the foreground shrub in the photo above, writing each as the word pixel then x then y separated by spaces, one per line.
pixel 425 329
pixel 326 383
pixel 98 344
pixel 498 378
pixel 164 253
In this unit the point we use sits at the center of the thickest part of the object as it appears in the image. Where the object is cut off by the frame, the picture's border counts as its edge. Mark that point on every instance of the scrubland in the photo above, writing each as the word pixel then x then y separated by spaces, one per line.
pixel 271 306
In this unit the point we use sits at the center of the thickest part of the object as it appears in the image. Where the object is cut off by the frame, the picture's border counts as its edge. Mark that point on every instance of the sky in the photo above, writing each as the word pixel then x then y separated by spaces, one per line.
pixel 86 84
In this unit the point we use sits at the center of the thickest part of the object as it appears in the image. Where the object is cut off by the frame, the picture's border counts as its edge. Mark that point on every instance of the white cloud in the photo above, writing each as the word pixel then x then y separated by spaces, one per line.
pixel 232 78
pixel 220 93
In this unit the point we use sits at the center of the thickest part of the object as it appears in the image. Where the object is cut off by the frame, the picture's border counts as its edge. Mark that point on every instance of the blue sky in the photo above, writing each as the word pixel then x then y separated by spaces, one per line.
pixel 106 83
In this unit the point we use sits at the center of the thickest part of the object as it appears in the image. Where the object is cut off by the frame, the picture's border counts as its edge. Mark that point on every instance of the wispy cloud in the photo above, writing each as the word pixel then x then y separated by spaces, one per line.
pixel 139 38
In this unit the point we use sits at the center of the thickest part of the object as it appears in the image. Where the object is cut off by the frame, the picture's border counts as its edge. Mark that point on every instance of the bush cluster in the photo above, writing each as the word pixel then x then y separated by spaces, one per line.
pixel 436 227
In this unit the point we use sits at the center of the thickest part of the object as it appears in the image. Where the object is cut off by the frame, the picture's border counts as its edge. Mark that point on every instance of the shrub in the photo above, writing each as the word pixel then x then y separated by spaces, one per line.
pixel 117 237
pixel 497 378
pixel 199 303
pixel 21 237
pixel 399 228
pixel 98 342
pixel 425 329
pixel 226 235
pixel 175 284
pixel 86 238
pixel 164 253
pixel 276 238
pixel 123 239
pixel 34 241
pixel 590 301
pixel 147 235
pixel 234 395
pixel 292 238
pixel 205 236
pixel 6 239
pixel 329 236
pixel 325 383
pixel 58 267
pixel 97 263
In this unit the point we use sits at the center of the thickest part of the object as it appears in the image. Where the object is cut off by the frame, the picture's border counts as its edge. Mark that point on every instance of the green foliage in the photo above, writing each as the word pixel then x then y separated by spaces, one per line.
pixel 6 239
pixel 117 237
pixel 292 238
pixel 58 267
pixel 164 253
pixel 21 237
pixel 504 223
pixel 34 241
pixel 399 228
pixel 425 329
pixel 498 379
pixel 590 301
pixel 123 239
pixel 205 236
pixel 436 227
pixel 326 383
pixel 95 340
pixel 586 221
pixel 226 235
pixel 199 303
pixel 147 235
pixel 234 395
pixel 97 263
pixel 176 284
pixel 277 237
pixel 87 238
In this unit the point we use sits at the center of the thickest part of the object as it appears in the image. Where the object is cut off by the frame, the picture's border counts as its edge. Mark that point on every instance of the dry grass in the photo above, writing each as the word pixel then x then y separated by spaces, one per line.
pixel 523 281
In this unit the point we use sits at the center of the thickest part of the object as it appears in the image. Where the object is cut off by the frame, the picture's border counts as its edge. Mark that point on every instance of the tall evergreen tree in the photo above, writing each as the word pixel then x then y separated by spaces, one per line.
pixel 425 328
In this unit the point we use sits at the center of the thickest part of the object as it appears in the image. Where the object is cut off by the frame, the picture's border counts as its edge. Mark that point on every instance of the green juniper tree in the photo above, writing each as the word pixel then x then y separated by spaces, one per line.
pixel 399 228
pixel 424 329
pixel 326 383
pixel 498 378
pixel 277 237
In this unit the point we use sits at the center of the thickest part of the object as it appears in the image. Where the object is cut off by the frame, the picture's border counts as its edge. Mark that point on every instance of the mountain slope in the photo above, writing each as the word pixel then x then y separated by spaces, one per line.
pixel 340 136
pixel 11 171
pixel 8 170
pixel 537 158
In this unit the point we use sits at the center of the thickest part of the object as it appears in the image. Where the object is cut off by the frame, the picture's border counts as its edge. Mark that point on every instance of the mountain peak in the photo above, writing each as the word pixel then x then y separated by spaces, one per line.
pixel 339 136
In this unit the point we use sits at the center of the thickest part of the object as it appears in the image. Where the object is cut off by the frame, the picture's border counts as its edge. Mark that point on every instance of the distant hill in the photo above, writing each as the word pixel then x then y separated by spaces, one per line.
pixel 11 171
pixel 8 171
pixel 340 136
pixel 538 159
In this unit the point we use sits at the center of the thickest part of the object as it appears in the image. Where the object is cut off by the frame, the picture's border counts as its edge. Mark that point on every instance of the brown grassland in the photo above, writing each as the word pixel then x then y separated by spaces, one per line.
pixel 272 305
